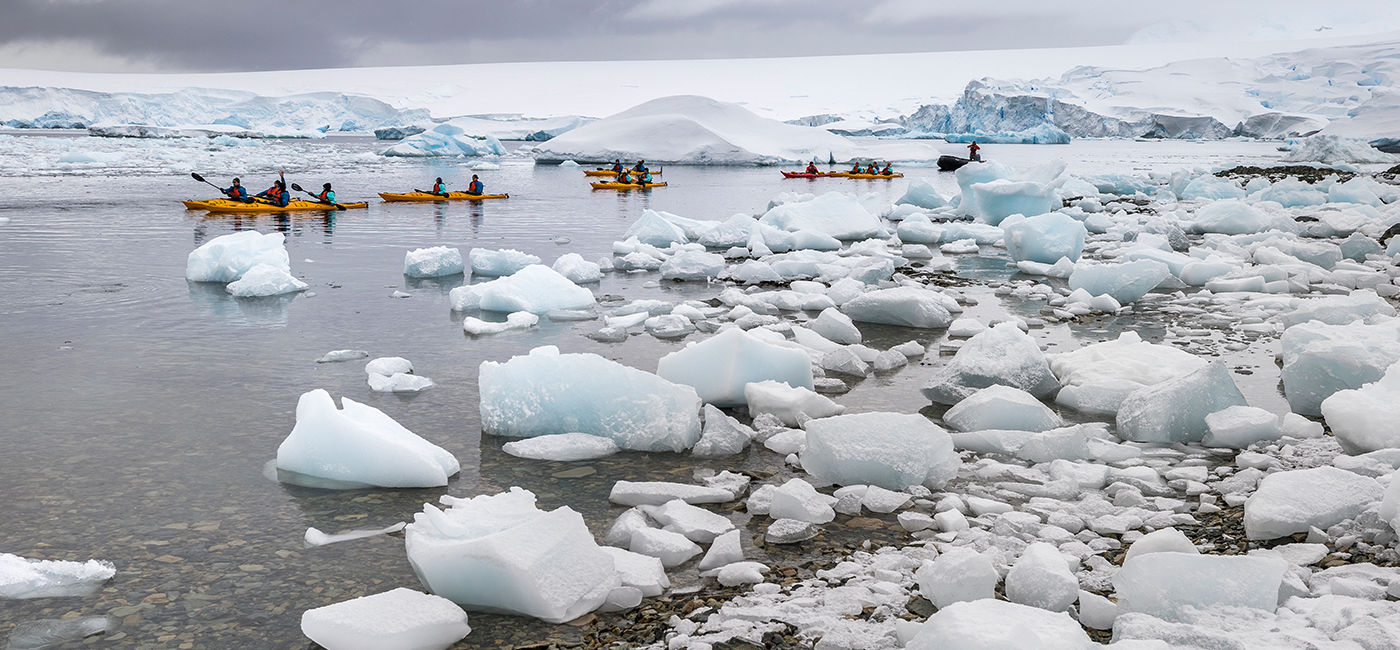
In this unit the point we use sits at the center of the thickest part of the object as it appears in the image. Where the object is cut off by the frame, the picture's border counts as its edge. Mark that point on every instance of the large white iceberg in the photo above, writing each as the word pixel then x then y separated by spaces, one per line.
pixel 1045 238
pixel 1332 149
pixel 720 366
pixel 1363 419
pixel 1176 410
pixel 1001 354
pixel 891 450
pixel 398 618
pixel 500 553
pixel 446 140
pixel 359 444
pixel 226 258
pixel 1125 282
pixel 839 215
pixel 1320 359
pixel 1097 378
pixel 546 392
pixel 537 289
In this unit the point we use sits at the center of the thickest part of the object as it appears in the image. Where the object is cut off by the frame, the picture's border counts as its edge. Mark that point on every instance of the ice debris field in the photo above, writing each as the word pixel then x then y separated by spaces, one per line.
pixel 1124 491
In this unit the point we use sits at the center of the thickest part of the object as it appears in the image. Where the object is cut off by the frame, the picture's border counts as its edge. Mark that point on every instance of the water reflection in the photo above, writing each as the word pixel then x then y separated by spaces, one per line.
pixel 442 285
pixel 265 311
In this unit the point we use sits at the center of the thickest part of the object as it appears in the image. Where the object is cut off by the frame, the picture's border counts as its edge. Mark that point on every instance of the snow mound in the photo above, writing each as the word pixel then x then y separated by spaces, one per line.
pixel 359 444
pixel 1332 149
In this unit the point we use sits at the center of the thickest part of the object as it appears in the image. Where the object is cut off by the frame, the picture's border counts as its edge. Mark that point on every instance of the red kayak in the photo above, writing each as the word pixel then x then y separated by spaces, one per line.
pixel 805 175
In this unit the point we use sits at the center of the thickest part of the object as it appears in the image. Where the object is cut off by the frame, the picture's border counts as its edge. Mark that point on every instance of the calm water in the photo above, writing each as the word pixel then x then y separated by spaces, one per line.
pixel 140 410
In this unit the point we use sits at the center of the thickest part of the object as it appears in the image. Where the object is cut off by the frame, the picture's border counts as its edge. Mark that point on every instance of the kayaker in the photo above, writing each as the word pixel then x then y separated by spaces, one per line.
pixel 641 166
pixel 327 194
pixel 887 171
pixel 811 168
pixel 644 178
pixel 439 188
pixel 871 169
pixel 972 150
pixel 277 194
pixel 624 177
pixel 476 188
pixel 855 169
pixel 236 192
pixel 617 166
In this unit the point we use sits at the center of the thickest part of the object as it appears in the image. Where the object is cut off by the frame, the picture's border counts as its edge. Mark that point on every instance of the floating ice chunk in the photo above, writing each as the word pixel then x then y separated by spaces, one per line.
pixel 959 574
pixel 360 444
pixel 55 632
pixel 741 573
pixel 1176 410
pixel 388 366
pixel 1095 611
pixel 1363 419
pixel 1126 282
pixel 1209 186
pixel 1098 377
pixel 891 450
pixel 640 493
pixel 641 571
pixel 394 375
pixel 788 403
pixel 448 140
pixel 904 306
pixel 1041 578
pixel 960 247
pixel 995 200
pixel 1231 217
pixel 398 618
pixel 485 261
pixel 315 537
pixel 922 194
pixel 1362 304
pixel 797 499
pixel 1166 584
pixel 839 215
pixel 721 435
pixel 668 326
pixel 577 269
pixel 1003 354
pixel 432 262
pixel 265 280
pixel 500 553
pixel 515 321
pixel 835 326
pixel 342 355
pixel 692 265
pixel 1293 501
pixel 537 289
pixel 789 531
pixel 546 392
pixel 1332 149
pixel 724 551
pixel 562 447
pixel 1045 238
pixel 721 366
pixel 652 229
pixel 24 578
pixel 697 524
pixel 1321 359
pixel 990 624
pixel 1001 407
pixel 1238 427
pixel 672 549
pixel 227 257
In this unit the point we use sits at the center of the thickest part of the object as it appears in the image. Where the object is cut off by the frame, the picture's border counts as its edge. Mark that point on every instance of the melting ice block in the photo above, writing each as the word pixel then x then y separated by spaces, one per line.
pixel 1320 359
pixel 1237 427
pixel 1001 407
pixel 790 404
pixel 398 618
pixel 695 523
pixel 922 194
pixel 990 624
pixel 500 553
pixel 562 447
pixel 433 262
pixel 537 289
pixel 692 265
pixel 506 261
pixel 1002 354
pixel 1165 584
pixel 672 549
pixel 1231 217
pixel 839 215
pixel 798 500
pixel 719 367
pixel 265 280
pixel 227 257
pixel 1097 378
pixel 1176 410
pixel 24 578
pixel 360 444
pixel 1041 578
pixel 993 201
pixel 577 269
pixel 892 450
pixel 904 306
pixel 958 574
pixel 721 435
pixel 653 229
pixel 641 571
pixel 547 392
pixel 1126 282
pixel 1295 501
pixel 1045 238
pixel 641 493
pixel 1363 419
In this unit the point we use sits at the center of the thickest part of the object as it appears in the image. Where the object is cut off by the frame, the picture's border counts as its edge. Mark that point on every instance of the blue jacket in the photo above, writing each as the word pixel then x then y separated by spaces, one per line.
pixel 476 187
pixel 236 192
pixel 282 199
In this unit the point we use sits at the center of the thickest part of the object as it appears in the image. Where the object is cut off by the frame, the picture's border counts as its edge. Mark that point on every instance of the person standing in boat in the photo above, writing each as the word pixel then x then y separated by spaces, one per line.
pixel 972 150
pixel 476 187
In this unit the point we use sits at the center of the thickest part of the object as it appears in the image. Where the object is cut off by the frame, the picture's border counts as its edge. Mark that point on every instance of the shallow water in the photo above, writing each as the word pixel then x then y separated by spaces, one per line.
pixel 140 409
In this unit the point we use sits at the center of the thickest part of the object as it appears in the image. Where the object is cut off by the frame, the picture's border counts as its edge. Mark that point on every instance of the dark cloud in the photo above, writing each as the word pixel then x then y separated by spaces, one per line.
pixel 193 35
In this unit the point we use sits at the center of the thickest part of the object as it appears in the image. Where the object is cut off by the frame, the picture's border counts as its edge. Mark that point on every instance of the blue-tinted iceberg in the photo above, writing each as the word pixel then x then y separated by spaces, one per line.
pixel 1045 238
pixel 1001 354
pixel 226 258
pixel 537 289
pixel 891 450
pixel 446 140
pixel 359 444
pixel 1126 282
pixel 720 366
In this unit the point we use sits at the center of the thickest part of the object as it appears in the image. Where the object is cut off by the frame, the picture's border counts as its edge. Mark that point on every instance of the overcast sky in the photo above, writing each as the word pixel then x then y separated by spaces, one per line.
pixel 240 35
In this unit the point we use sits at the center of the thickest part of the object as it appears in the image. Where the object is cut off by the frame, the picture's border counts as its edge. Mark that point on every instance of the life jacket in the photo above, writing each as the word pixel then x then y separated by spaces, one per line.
pixel 475 187
pixel 617 167
pixel 439 188
pixel 236 192
pixel 640 167
pixel 327 196
pixel 811 169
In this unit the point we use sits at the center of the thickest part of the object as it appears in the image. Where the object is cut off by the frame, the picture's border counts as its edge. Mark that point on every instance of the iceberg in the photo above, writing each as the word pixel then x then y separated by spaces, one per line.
pixel 25 578
pixel 546 392
pixel 835 214
pixel 398 618
pixel 1002 354
pixel 577 269
pixel 692 265
pixel 1238 427
pixel 1231 217
pixel 1126 282
pixel 890 450
pixel 1001 198
pixel 1001 407
pixel 1045 238
pixel 654 230
pixel 446 140
pixel 1363 419
pixel 359 444
pixel 496 263
pixel 904 306
pixel 1295 501
pixel 1041 578
pixel 1175 410
pixel 721 366
pixel 433 262
pixel 500 553
pixel 1320 359
pixel 790 404
pixel 920 193
pixel 1334 149
pixel 227 257
pixel 537 289
pixel 265 280
pixel 1097 378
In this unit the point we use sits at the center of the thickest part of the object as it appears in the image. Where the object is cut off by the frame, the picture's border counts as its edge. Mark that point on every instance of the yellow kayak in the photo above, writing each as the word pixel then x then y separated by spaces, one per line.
pixel 850 175
pixel 626 186
pixel 609 172
pixel 451 196
pixel 297 205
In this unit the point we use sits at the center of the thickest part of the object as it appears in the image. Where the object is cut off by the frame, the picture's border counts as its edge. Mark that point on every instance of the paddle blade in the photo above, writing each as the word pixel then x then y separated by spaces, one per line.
pixel 198 177
pixel 297 187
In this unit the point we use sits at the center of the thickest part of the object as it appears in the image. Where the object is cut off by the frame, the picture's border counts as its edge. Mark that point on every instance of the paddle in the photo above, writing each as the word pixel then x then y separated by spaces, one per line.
pixel 298 188
pixel 220 189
